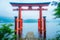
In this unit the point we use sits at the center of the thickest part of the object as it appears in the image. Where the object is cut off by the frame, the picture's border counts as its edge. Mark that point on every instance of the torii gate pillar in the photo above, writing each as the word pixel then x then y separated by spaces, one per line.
pixel 41 20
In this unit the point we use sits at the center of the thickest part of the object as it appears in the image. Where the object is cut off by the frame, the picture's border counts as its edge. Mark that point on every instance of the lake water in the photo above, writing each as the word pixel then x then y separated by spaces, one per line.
pixel 51 28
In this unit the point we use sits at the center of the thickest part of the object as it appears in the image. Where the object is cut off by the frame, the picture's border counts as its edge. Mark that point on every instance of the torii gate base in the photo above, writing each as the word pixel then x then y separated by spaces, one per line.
pixel 41 20
pixel 18 27
pixel 41 31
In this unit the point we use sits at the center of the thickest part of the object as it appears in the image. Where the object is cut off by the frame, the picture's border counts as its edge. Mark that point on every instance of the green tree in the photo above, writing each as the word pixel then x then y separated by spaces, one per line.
pixel 6 33
pixel 57 11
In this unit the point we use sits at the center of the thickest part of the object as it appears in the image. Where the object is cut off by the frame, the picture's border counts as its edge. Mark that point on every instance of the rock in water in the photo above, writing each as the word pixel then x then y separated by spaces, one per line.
pixel 30 36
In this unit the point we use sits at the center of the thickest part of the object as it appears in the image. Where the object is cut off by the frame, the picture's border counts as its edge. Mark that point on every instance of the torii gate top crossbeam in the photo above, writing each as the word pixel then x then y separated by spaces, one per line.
pixel 30 4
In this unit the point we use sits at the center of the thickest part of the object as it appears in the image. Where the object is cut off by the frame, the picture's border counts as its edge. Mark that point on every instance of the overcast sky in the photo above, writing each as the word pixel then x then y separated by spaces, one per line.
pixel 6 9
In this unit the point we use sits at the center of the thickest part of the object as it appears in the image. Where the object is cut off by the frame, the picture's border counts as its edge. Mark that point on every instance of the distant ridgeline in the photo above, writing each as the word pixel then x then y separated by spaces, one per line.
pixel 8 20
pixel 30 20
pixel 5 19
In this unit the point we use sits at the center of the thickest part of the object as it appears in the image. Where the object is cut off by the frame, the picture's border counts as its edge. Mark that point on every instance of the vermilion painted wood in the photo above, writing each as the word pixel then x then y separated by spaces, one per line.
pixel 28 9
pixel 30 5
pixel 40 22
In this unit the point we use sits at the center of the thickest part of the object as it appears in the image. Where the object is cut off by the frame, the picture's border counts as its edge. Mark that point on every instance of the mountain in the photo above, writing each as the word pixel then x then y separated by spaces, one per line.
pixel 5 19
pixel 8 20
pixel 30 20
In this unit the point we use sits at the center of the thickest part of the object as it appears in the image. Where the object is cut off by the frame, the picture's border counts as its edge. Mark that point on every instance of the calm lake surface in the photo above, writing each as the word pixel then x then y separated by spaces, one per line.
pixel 51 28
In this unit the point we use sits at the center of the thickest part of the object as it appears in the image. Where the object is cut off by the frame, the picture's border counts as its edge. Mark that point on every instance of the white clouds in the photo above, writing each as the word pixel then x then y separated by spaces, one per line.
pixel 7 9
pixel 30 14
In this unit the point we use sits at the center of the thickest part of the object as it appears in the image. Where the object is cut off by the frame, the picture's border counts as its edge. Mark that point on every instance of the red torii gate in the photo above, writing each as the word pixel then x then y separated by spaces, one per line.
pixel 19 22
